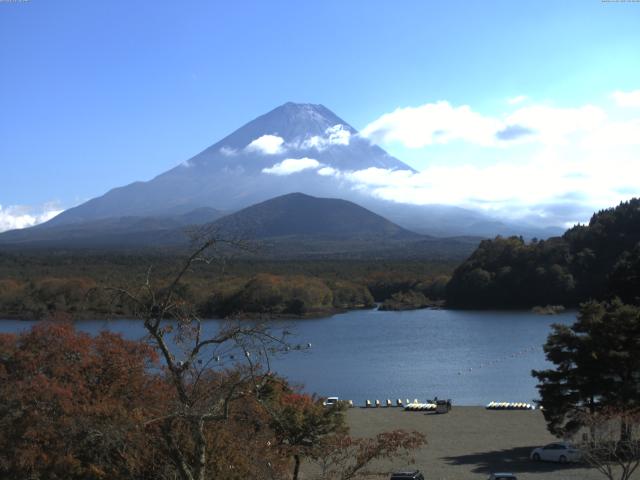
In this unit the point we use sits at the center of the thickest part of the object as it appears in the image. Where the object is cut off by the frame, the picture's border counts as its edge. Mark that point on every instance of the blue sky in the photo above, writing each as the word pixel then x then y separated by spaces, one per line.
pixel 95 95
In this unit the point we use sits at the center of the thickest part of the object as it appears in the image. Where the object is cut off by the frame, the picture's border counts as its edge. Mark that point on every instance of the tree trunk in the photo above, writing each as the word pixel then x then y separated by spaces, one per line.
pixel 625 431
pixel 200 447
pixel 296 466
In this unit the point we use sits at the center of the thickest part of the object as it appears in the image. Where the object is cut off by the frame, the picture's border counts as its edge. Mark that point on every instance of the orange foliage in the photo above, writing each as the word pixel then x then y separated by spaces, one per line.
pixel 72 405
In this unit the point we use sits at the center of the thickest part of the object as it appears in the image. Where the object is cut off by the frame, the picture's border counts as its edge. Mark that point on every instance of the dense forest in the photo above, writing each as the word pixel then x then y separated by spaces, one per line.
pixel 600 260
pixel 39 285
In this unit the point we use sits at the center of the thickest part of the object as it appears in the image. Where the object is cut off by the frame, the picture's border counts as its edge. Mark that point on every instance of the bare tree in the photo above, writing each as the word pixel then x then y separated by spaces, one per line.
pixel 207 370
pixel 342 457
pixel 612 445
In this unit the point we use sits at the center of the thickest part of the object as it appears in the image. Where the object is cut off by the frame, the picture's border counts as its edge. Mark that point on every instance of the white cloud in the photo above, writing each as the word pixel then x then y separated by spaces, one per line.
pixel 534 160
pixel 21 216
pixel 507 189
pixel 442 123
pixel 229 151
pixel 615 134
pixel 554 125
pixel 292 165
pixel 627 99
pixel 517 100
pixel 327 172
pixel 267 145
pixel 433 123
pixel 336 135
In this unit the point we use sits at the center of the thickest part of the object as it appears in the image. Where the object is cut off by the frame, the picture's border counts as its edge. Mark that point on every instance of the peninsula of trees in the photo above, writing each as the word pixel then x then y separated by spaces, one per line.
pixel 597 261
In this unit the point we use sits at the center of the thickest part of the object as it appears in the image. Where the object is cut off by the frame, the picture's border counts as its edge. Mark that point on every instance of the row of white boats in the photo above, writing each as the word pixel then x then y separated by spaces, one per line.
pixel 399 403
pixel 510 406
pixel 417 406
pixel 420 407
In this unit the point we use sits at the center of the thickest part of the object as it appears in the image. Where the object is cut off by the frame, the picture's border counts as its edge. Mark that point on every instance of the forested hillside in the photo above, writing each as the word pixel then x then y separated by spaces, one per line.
pixel 40 285
pixel 595 261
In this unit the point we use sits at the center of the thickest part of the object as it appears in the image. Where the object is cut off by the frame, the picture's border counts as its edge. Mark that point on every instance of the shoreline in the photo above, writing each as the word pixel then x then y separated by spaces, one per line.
pixel 311 315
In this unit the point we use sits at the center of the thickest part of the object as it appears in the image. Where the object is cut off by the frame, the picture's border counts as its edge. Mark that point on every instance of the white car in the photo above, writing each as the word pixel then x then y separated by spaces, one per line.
pixel 330 401
pixel 561 452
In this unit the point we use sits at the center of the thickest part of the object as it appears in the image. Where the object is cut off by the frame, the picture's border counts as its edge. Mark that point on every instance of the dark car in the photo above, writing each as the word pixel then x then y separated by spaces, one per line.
pixel 502 476
pixel 413 475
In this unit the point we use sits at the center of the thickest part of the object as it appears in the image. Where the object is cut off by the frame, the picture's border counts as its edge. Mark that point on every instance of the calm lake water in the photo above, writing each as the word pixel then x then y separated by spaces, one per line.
pixel 468 356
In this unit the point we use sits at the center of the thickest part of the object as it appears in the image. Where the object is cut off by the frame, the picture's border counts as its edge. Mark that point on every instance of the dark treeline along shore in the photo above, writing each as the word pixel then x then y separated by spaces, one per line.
pixel 599 261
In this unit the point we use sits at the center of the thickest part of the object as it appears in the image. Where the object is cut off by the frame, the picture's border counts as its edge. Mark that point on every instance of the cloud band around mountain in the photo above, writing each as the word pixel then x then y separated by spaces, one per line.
pixel 21 216
pixel 273 144
pixel 289 166
pixel 266 144
pixel 522 162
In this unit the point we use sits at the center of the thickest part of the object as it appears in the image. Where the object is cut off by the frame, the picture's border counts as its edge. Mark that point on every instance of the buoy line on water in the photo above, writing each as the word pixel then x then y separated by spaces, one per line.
pixel 235 353
pixel 504 358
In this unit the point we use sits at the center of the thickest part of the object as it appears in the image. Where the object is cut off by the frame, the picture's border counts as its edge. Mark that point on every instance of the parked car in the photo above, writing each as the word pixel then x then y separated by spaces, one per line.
pixel 561 452
pixel 330 401
pixel 502 476
pixel 409 475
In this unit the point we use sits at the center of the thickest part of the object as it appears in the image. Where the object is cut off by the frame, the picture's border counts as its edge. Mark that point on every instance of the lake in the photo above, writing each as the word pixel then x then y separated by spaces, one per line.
pixel 469 356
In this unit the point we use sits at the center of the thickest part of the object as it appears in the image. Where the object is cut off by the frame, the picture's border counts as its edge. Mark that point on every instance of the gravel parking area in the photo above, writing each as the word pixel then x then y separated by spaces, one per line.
pixel 470 443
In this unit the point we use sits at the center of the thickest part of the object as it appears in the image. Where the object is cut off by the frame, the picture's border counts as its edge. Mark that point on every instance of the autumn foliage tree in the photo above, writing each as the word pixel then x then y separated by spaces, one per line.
pixel 74 405
pixel 208 372
pixel 306 429
pixel 187 403
pixel 77 406
pixel 300 421
pixel 342 457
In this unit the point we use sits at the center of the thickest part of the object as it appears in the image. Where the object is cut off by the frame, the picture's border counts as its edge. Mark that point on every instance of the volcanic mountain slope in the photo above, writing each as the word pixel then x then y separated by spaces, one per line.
pixel 297 214
pixel 242 169
pixel 301 226
pixel 289 226
pixel 129 231
pixel 293 148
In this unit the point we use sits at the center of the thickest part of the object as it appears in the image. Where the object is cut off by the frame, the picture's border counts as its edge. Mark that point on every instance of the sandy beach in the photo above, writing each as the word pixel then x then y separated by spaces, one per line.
pixel 469 443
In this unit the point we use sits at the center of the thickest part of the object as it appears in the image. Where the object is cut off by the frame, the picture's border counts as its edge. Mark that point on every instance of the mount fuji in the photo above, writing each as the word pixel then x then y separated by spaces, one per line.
pixel 293 148
pixel 280 152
